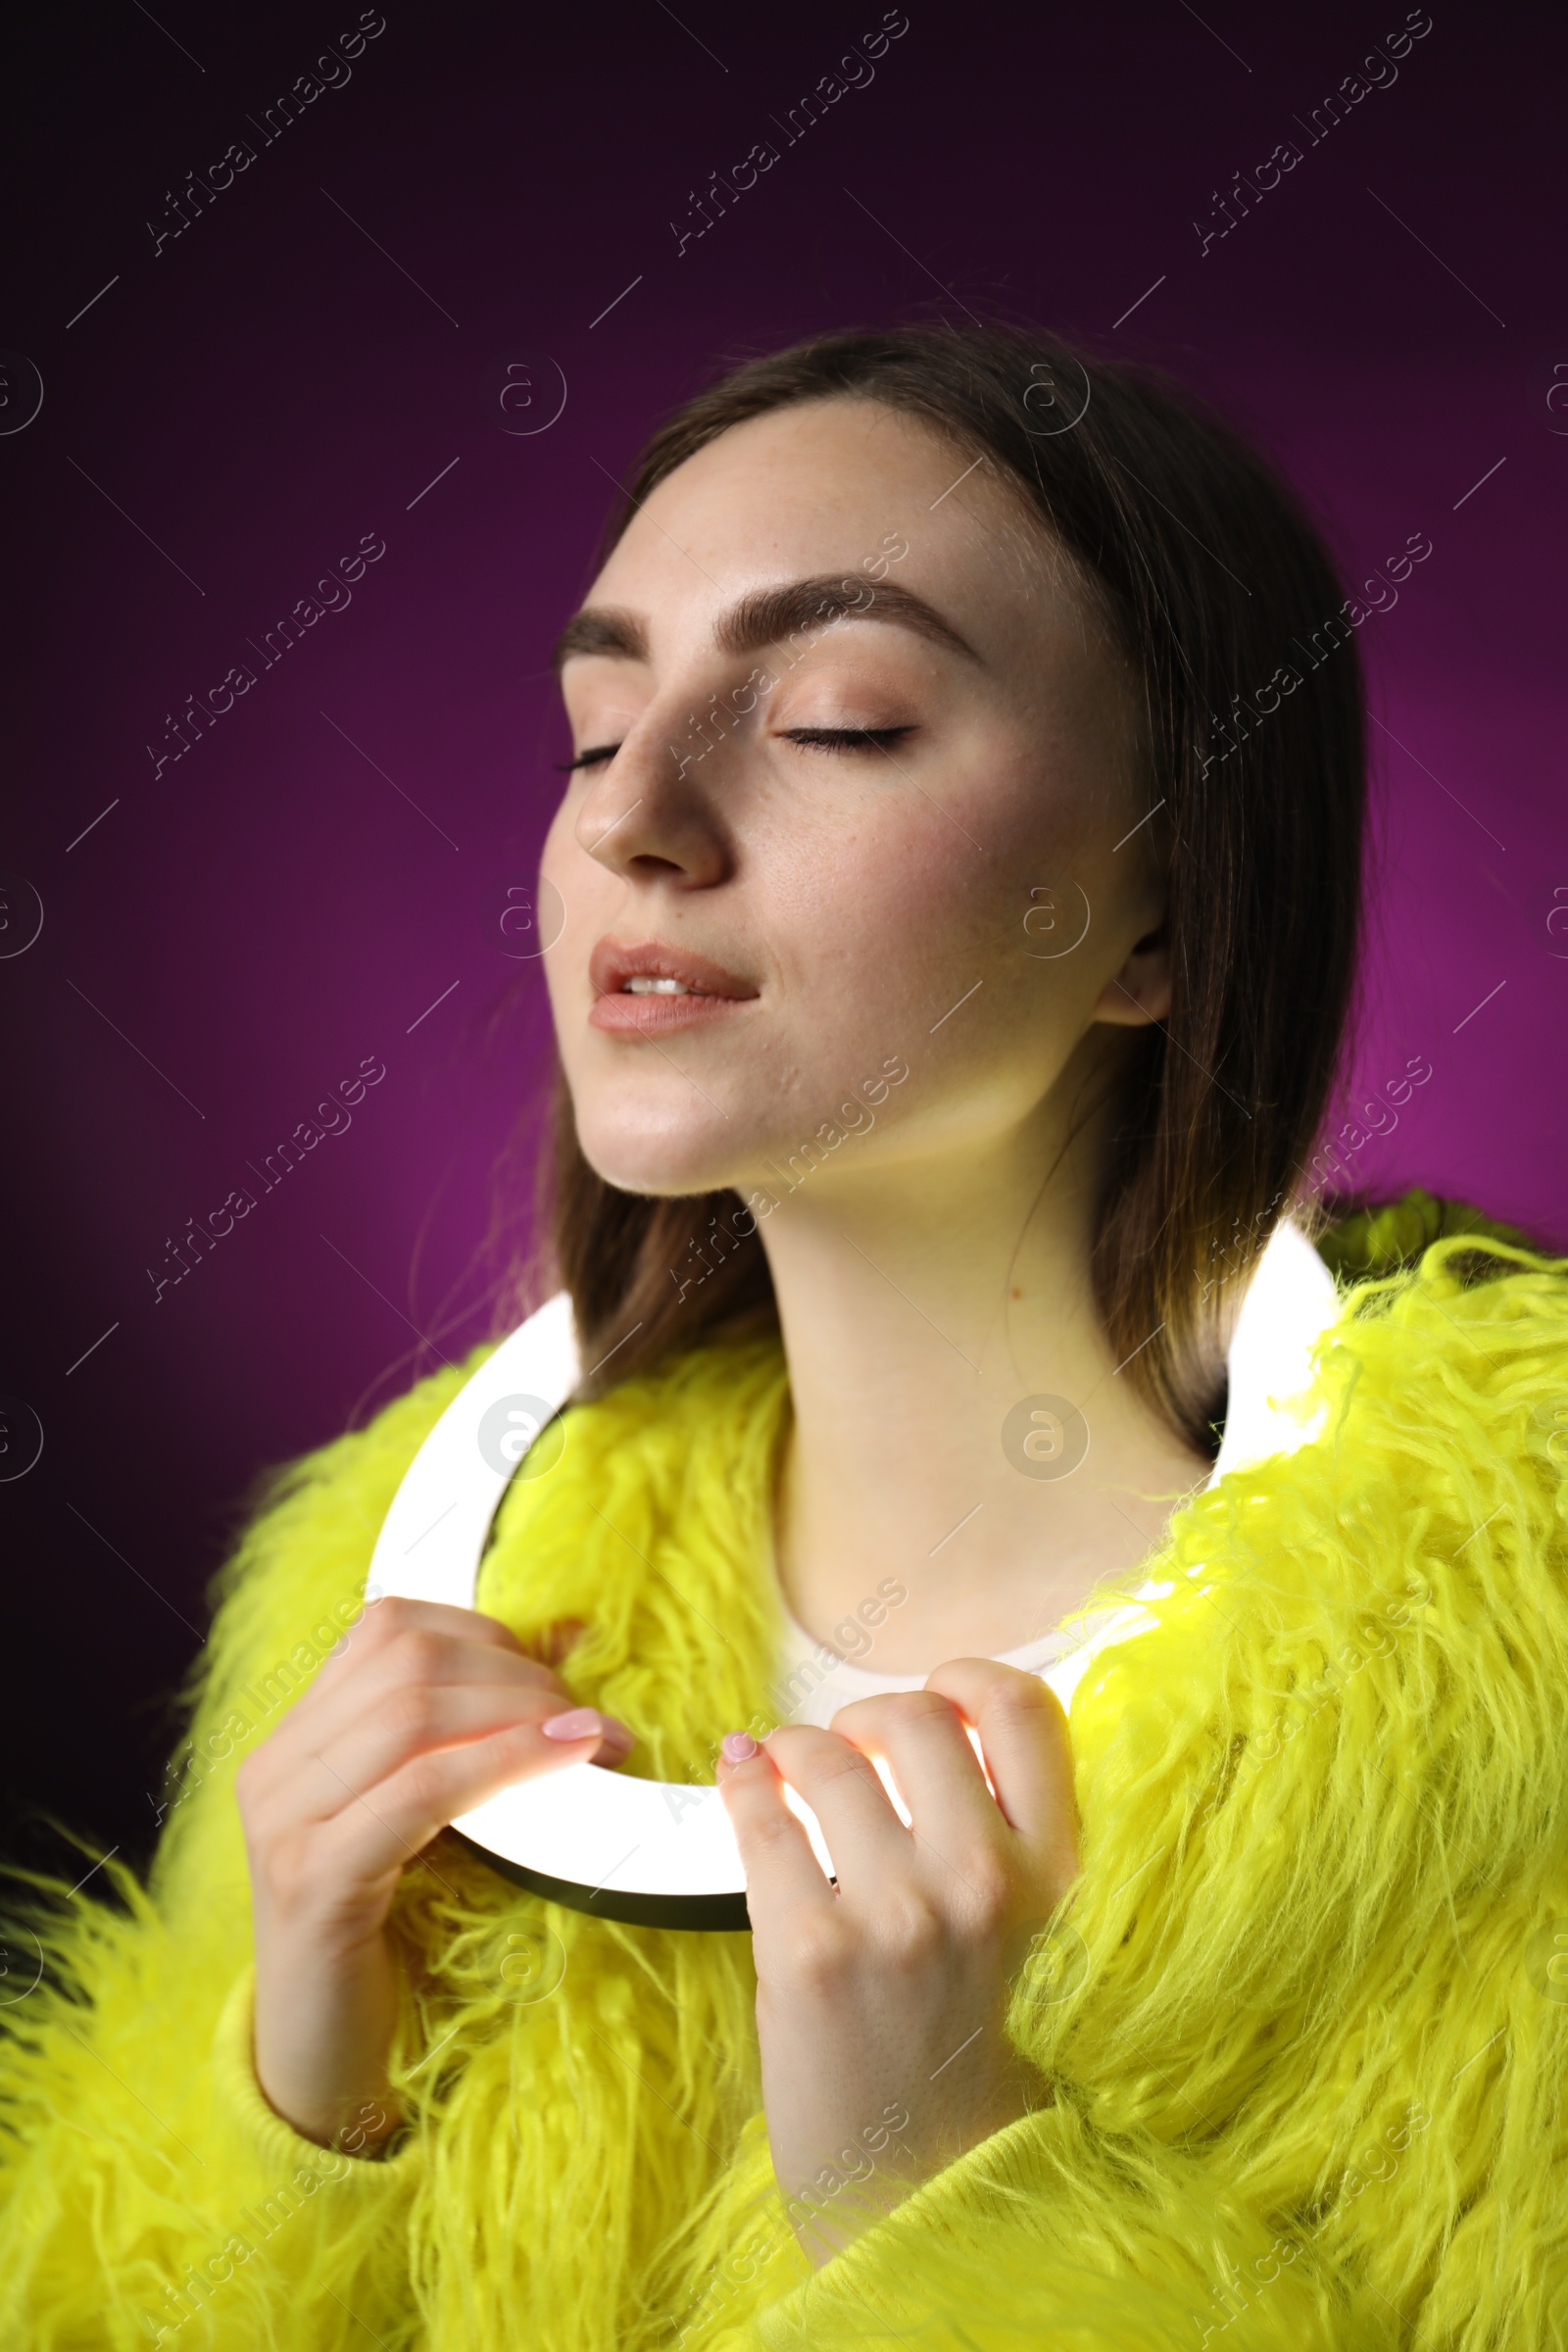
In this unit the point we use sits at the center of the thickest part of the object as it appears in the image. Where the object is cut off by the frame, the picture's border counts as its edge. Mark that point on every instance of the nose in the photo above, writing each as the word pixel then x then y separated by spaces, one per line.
pixel 650 814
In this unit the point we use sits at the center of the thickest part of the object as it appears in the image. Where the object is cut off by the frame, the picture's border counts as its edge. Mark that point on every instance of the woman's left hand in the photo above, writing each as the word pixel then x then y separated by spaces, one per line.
pixel 880 2002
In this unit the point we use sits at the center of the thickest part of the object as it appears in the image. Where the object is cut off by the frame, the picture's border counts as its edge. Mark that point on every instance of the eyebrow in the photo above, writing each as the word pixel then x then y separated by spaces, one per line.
pixel 767 617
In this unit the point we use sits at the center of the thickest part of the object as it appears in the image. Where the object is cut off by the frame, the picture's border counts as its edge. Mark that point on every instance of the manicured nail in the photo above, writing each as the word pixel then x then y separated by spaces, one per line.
pixel 577 1723
pixel 736 1746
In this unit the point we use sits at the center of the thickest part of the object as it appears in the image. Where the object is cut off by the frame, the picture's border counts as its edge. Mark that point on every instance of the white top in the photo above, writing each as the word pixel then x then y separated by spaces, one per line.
pixel 1290 1299
pixel 834 1681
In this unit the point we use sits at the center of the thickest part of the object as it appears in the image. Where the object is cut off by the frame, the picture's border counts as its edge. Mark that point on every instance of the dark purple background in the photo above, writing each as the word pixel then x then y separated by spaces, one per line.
pixel 232 937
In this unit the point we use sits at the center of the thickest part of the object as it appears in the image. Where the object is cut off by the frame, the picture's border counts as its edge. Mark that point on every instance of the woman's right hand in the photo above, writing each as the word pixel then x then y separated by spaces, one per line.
pixel 419 1714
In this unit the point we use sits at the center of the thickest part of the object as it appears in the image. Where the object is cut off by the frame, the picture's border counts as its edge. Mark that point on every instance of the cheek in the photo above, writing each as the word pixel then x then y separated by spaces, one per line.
pixel 861 929
pixel 946 872
pixel 900 920
pixel 589 893
pixel 561 841
pixel 887 904
pixel 556 863
pixel 908 938
pixel 583 898
pixel 884 931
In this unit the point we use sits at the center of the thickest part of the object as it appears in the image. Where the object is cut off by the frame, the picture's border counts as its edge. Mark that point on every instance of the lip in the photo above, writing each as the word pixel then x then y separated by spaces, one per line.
pixel 716 994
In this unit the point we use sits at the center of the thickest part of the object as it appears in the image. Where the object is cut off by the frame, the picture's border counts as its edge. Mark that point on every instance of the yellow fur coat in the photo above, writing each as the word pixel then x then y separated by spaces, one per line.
pixel 1305 2018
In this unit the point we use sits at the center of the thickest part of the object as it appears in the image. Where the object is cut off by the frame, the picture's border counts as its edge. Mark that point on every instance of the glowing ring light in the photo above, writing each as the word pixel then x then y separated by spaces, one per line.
pixel 660 1854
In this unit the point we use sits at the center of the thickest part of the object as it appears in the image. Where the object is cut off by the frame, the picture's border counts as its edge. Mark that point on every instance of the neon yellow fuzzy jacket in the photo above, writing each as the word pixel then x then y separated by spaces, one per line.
pixel 1305 2023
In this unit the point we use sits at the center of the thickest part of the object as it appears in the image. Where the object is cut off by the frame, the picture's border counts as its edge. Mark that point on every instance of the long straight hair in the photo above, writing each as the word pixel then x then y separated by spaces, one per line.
pixel 1229 609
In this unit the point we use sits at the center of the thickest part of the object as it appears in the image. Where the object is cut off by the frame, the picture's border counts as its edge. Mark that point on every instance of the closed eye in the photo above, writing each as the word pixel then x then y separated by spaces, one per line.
pixel 816 739
pixel 846 739
pixel 588 758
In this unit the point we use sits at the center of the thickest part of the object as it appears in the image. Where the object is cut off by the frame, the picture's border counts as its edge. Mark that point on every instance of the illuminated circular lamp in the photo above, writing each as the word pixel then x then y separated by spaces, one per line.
pixel 660 1853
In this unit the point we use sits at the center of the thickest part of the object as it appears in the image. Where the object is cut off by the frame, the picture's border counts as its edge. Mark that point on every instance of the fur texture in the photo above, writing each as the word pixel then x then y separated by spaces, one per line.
pixel 1304 2019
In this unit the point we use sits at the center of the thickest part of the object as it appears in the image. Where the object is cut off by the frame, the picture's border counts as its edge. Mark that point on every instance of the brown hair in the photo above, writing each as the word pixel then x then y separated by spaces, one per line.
pixel 1230 611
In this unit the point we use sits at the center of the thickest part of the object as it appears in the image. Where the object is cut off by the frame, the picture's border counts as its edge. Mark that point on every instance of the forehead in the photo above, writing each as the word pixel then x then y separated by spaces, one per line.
pixel 841 485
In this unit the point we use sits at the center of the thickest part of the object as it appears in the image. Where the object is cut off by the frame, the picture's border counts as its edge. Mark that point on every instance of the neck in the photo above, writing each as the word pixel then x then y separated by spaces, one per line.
pixel 922 1303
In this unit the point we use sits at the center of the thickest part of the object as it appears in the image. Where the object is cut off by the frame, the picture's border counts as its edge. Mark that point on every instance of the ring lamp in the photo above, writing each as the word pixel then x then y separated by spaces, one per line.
pixel 660 1853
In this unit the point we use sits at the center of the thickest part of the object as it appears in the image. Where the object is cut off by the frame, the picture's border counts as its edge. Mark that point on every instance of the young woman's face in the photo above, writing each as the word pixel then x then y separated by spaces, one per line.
pixel 859 876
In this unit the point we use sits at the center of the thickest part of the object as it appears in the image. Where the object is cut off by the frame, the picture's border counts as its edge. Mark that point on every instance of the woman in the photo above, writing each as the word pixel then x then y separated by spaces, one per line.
pixel 950 923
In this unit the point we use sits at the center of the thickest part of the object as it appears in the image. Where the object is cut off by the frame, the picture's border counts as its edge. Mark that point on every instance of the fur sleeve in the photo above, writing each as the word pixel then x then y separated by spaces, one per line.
pixel 150 2194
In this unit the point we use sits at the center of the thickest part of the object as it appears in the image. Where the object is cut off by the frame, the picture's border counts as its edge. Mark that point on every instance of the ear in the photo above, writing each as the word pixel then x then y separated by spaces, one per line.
pixel 1140 993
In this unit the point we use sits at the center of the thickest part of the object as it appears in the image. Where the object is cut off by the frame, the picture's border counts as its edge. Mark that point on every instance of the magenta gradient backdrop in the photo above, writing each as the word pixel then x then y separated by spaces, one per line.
pixel 243 928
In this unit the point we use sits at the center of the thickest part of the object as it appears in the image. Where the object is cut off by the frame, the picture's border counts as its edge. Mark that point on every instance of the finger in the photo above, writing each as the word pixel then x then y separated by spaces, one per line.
pixel 783 1875
pixel 1027 1747
pixel 383 1623
pixel 921 1739
pixel 404 1655
pixel 425 1717
pixel 552 1644
pixel 383 1619
pixel 383 1825
pixel 842 1785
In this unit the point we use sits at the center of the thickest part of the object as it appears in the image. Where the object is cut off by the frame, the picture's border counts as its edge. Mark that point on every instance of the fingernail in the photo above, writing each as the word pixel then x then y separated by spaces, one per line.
pixel 575 1724
pixel 736 1746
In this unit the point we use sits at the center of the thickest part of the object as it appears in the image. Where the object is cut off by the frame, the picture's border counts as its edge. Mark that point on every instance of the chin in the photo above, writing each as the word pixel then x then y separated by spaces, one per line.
pixel 661 1166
